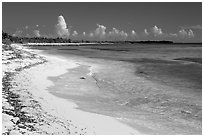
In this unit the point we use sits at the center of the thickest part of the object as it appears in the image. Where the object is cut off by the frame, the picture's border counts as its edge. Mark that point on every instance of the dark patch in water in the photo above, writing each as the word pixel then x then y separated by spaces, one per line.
pixel 169 72
pixel 82 78
pixel 196 60
pixel 151 61
pixel 179 75
pixel 110 49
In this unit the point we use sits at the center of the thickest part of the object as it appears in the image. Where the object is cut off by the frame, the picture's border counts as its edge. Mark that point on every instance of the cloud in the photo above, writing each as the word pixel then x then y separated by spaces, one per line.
pixel 84 33
pixel 173 35
pixel 123 34
pixel 116 34
pixel 145 32
pixel 157 31
pixel 190 34
pixel 199 27
pixel 133 34
pixel 75 33
pixel 18 33
pixel 182 33
pixel 100 31
pixel 186 34
pixel 36 33
pixel 26 27
pixel 61 27
pixel 91 34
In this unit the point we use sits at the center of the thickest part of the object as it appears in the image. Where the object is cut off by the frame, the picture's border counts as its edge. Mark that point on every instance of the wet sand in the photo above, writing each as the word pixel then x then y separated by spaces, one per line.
pixel 147 89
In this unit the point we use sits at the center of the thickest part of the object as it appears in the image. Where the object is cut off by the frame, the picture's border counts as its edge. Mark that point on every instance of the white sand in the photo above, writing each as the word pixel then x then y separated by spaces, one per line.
pixel 94 123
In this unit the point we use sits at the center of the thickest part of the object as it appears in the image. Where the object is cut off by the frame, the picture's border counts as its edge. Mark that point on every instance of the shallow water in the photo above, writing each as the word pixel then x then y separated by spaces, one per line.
pixel 142 86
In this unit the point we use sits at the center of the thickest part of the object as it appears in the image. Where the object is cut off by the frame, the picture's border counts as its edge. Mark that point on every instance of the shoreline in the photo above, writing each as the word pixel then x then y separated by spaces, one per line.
pixel 102 125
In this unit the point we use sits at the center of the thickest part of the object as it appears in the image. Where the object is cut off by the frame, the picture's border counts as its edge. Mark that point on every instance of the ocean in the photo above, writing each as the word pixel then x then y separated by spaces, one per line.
pixel 155 86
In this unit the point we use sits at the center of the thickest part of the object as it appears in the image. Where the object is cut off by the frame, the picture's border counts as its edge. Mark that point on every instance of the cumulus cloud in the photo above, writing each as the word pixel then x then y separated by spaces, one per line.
pixel 36 33
pixel 75 33
pixel 100 31
pixel 117 34
pixel 123 34
pixel 133 34
pixel 146 32
pixel 190 34
pixel 182 33
pixel 61 27
pixel 173 35
pixel 114 32
pixel 186 34
pixel 157 31
pixel 18 33
pixel 91 34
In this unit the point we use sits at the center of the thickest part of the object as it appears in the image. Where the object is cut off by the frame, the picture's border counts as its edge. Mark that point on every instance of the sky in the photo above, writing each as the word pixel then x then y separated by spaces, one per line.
pixel 179 22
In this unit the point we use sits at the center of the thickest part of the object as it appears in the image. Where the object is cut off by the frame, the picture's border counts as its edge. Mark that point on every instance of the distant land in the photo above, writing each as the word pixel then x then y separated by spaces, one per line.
pixel 6 38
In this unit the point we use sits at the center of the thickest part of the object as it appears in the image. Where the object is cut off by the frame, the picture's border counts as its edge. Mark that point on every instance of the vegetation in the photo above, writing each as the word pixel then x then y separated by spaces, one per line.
pixel 6 38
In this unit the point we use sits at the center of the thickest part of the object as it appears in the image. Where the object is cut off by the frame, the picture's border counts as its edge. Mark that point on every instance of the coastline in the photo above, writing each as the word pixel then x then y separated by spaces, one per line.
pixel 52 109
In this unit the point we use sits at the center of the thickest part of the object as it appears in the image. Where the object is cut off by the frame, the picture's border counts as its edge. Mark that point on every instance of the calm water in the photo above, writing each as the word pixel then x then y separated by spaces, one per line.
pixel 175 65
pixel 155 88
